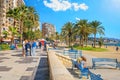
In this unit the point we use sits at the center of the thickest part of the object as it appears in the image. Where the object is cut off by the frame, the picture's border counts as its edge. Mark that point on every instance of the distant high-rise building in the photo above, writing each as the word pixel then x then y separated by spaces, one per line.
pixel 47 30
pixel 5 6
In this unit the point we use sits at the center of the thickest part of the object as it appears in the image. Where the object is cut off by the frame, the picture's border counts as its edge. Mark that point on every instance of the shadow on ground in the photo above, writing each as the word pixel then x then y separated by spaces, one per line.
pixel 42 72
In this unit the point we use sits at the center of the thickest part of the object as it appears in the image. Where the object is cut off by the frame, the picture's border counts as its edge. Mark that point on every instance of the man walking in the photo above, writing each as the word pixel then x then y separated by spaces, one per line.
pixel 27 48
pixel 34 48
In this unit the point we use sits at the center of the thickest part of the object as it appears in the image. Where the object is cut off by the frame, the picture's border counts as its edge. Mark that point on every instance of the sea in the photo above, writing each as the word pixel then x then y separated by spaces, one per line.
pixel 112 44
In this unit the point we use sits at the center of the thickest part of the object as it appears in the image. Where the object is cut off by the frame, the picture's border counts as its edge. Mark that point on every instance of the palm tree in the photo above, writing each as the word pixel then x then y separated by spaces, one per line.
pixel 14 14
pixel 27 18
pixel 18 14
pixel 97 28
pixel 57 35
pixel 67 31
pixel 5 33
pixel 14 32
pixel 22 15
pixel 82 29
pixel 31 22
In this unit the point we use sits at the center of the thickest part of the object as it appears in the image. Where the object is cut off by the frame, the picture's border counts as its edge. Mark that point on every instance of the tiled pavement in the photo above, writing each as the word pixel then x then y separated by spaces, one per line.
pixel 15 67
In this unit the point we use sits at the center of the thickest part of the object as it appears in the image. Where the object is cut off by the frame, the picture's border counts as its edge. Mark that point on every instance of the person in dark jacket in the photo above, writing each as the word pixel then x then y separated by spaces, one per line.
pixel 40 44
pixel 27 47
pixel 45 45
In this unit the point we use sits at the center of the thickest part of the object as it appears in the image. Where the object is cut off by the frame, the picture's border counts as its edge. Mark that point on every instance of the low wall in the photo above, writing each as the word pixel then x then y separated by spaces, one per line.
pixel 57 69
pixel 65 60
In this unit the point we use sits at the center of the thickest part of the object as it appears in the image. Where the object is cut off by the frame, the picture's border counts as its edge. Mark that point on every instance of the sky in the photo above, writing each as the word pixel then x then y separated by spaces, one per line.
pixel 59 12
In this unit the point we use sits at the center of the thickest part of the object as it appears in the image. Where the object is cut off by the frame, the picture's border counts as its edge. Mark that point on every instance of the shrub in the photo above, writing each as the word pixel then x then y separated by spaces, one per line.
pixel 4 46
pixel 75 45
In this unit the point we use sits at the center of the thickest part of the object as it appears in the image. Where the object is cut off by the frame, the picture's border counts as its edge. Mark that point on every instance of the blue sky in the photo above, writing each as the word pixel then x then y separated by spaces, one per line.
pixel 58 12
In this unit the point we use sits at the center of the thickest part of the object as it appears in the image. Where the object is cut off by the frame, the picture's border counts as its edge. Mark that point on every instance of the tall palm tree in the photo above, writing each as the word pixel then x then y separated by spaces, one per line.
pixel 82 29
pixel 14 32
pixel 18 14
pixel 22 15
pixel 97 28
pixel 67 31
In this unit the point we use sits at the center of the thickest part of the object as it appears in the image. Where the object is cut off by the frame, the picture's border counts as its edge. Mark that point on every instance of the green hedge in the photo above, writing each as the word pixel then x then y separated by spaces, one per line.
pixel 4 46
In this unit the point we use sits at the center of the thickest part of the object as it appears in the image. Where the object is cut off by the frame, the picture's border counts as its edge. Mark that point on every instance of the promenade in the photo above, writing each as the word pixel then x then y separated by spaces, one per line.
pixel 15 67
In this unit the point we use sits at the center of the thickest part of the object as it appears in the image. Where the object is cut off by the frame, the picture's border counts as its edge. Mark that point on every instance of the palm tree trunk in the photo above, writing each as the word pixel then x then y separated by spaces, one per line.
pixel 80 41
pixel 12 40
pixel 69 41
pixel 21 31
pixel 86 40
pixel 66 40
pixel 94 40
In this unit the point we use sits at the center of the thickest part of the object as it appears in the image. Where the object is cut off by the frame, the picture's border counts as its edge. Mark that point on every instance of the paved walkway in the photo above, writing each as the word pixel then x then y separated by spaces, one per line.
pixel 15 67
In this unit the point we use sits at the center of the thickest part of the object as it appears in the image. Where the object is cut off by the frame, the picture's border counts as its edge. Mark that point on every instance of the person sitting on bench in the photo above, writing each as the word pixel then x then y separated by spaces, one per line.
pixel 82 60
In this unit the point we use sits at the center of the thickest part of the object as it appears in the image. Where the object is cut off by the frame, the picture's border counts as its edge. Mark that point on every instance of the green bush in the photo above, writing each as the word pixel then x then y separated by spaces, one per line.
pixel 4 46
pixel 75 45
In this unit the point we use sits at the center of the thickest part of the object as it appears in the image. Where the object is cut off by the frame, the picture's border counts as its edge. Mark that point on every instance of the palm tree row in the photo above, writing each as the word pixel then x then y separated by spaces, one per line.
pixel 28 21
pixel 81 29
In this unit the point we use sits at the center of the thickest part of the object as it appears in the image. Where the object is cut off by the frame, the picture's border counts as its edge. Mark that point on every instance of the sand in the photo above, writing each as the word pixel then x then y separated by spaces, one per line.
pixel 111 53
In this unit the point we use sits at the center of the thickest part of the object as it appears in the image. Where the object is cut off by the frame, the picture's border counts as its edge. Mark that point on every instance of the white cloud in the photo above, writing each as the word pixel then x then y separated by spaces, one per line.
pixel 82 6
pixel 78 19
pixel 63 5
pixel 58 5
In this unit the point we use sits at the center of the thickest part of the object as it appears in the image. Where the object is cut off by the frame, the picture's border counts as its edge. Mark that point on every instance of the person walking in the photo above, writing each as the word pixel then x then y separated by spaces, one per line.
pixel 117 48
pixel 34 48
pixel 23 48
pixel 39 44
pixel 45 45
pixel 27 48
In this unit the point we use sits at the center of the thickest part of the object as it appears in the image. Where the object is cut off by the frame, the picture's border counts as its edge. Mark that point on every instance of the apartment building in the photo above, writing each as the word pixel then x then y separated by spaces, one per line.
pixel 5 22
pixel 48 30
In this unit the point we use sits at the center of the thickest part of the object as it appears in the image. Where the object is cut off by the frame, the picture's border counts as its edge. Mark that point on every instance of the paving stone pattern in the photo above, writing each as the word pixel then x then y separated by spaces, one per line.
pixel 26 60
pixel 4 68
pixel 16 67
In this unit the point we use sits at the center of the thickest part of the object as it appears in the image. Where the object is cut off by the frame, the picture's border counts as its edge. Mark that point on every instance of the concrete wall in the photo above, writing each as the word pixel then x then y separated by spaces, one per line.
pixel 57 69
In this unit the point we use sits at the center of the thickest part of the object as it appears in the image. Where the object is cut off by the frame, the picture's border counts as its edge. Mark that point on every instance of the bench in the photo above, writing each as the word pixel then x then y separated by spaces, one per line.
pixel 72 53
pixel 83 71
pixel 97 62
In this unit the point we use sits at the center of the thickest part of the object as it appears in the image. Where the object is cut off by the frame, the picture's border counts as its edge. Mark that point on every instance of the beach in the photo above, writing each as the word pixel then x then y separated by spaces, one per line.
pixel 110 53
